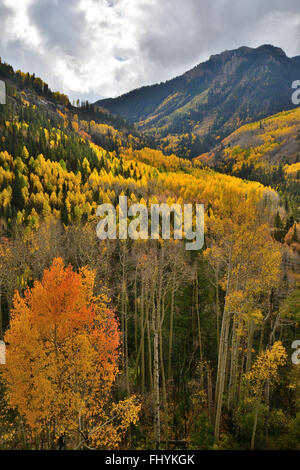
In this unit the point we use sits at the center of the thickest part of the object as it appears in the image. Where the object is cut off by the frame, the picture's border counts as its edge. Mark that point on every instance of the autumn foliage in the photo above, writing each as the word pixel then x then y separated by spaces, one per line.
pixel 62 362
pixel 196 334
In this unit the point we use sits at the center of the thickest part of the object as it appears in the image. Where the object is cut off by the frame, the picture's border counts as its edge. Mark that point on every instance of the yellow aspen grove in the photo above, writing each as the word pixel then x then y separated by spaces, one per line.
pixel 250 262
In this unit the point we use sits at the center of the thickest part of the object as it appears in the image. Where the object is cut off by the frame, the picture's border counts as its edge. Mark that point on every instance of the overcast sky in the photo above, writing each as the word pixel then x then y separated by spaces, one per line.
pixel 99 48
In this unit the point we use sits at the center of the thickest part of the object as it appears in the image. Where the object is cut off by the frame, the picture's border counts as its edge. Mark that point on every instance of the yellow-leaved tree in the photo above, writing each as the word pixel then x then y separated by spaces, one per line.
pixel 263 371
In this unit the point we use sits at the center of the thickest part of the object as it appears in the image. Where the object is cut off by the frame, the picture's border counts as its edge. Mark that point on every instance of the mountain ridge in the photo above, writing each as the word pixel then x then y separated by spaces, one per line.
pixel 194 110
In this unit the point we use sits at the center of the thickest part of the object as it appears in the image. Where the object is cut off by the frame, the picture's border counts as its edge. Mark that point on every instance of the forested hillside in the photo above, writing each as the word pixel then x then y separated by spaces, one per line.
pixel 138 344
pixel 267 151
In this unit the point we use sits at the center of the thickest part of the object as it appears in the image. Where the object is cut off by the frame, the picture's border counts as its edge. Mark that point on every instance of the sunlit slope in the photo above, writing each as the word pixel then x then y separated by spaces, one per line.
pixel 265 145
pixel 51 164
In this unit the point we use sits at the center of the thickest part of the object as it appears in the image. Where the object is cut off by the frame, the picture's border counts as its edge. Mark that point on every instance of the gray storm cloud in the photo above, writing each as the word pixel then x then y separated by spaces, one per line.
pixel 91 49
pixel 61 24
pixel 5 12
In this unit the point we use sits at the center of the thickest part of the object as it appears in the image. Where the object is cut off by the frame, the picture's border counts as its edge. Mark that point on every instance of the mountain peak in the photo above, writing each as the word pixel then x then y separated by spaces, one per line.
pixel 228 53
pixel 268 48
pixel 244 51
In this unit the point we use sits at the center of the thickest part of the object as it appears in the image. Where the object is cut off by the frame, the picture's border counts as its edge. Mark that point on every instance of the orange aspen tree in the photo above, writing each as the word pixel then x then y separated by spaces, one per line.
pixel 62 361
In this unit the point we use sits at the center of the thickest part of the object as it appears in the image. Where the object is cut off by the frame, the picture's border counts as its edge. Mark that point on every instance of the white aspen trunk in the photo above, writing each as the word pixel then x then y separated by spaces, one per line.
pixel 156 388
pixel 171 327
pixel 222 356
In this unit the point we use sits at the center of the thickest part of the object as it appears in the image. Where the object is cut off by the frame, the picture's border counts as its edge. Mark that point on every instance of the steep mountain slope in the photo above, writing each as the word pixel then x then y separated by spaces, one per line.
pixel 261 145
pixel 108 130
pixel 58 160
pixel 267 151
pixel 189 114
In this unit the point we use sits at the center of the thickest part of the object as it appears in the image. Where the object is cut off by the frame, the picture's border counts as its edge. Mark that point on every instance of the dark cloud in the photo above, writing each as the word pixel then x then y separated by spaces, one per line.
pixel 94 48
pixel 61 24
pixel 5 13
pixel 185 32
